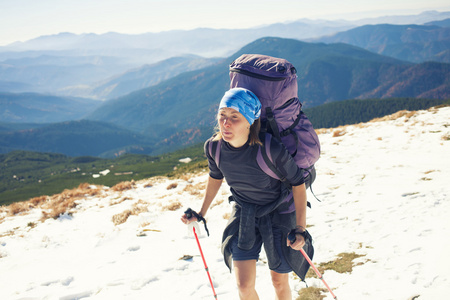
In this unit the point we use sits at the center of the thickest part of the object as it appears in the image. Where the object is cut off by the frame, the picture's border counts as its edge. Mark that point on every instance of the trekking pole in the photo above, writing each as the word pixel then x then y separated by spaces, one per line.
pixel 204 262
pixel 189 212
pixel 292 239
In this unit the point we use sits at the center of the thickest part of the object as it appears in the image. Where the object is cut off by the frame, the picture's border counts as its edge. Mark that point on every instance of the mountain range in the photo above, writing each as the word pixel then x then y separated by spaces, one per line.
pixel 76 138
pixel 170 103
pixel 180 111
pixel 414 43
pixel 139 78
pixel 40 108
pixel 89 76
pixel 202 41
pixel 68 64
pixel 326 73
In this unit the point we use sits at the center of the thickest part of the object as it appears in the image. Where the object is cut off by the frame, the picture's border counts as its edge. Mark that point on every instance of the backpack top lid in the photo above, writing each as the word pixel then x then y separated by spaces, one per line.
pixel 273 80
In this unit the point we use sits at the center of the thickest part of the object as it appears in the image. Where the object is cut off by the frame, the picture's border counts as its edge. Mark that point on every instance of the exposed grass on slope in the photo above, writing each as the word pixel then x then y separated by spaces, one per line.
pixel 26 175
pixel 344 263
pixel 311 293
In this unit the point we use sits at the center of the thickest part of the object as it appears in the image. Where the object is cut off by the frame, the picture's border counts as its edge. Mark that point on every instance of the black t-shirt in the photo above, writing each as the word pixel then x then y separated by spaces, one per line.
pixel 247 181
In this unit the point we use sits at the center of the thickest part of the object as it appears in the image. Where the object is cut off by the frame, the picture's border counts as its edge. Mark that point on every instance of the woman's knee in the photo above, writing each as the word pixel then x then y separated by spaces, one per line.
pixel 245 276
pixel 245 286
pixel 245 283
pixel 280 281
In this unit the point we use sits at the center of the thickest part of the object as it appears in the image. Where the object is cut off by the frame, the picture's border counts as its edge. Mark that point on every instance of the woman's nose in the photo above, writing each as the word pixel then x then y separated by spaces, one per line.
pixel 226 122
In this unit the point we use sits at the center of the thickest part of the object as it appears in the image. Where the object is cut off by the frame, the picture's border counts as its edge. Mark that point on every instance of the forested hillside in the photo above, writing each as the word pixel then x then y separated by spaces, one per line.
pixel 355 111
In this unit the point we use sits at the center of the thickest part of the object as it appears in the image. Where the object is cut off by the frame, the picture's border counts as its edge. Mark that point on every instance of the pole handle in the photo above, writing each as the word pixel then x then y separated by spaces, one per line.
pixel 192 213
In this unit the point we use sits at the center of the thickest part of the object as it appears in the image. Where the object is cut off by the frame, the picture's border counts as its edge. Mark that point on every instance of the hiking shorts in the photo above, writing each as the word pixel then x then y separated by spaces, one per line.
pixel 253 254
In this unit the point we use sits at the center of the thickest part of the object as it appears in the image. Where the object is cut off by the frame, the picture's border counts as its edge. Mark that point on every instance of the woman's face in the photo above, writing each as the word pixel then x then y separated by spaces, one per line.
pixel 234 127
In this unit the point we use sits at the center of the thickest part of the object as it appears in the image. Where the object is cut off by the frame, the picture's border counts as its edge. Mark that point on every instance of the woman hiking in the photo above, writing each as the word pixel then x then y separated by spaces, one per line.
pixel 263 211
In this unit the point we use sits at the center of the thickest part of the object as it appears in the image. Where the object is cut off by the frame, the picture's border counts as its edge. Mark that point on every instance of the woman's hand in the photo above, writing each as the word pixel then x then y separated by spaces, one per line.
pixel 298 243
pixel 212 187
pixel 186 220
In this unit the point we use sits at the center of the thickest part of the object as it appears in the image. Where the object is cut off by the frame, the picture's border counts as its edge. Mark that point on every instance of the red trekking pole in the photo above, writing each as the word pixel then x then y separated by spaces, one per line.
pixel 292 239
pixel 204 262
pixel 189 214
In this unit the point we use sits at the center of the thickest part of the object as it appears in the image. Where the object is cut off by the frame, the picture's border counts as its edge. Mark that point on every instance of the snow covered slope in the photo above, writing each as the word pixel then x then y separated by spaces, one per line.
pixel 385 194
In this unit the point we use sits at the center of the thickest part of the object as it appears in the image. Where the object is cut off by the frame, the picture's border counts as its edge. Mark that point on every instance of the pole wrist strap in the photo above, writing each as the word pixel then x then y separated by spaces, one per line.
pixel 192 213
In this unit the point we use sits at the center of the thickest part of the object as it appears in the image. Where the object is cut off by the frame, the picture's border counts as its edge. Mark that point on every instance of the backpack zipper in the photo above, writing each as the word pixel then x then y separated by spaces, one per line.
pixel 286 104
pixel 263 77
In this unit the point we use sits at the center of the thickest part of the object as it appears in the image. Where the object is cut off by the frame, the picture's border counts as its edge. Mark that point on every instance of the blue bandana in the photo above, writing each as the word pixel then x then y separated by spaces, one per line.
pixel 244 101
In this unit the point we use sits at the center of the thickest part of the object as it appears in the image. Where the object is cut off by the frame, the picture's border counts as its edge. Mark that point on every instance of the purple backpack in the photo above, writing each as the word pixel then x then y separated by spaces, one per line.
pixel 274 81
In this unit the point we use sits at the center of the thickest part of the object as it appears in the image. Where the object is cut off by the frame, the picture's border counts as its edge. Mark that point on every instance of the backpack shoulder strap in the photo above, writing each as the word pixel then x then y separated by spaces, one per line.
pixel 265 161
pixel 214 151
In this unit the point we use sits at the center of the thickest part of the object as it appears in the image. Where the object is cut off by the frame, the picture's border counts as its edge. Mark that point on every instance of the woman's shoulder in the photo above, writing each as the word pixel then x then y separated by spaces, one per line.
pixel 211 145
pixel 212 140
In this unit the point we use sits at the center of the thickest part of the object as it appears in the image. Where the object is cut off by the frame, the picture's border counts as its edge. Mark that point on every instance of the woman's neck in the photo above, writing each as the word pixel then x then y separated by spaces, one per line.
pixel 239 142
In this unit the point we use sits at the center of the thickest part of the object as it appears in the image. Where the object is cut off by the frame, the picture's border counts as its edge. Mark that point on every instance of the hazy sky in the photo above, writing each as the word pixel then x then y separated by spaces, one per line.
pixel 21 20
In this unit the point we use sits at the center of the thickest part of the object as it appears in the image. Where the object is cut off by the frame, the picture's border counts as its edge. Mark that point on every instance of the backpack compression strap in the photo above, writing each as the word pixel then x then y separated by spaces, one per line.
pixel 272 124
pixel 289 131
